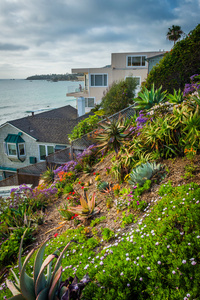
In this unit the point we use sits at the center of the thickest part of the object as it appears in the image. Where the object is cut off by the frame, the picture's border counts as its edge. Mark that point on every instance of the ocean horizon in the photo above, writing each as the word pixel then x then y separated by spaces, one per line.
pixel 20 97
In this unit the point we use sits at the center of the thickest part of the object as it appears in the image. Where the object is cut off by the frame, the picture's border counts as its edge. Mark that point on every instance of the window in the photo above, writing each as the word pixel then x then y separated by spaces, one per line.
pixel 98 80
pixel 14 147
pixel 136 61
pixel 45 151
pixel 89 102
pixel 21 149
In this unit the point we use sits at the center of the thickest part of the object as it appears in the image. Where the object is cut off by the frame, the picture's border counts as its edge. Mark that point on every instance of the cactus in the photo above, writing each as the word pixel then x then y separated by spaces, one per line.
pixel 41 287
pixel 143 172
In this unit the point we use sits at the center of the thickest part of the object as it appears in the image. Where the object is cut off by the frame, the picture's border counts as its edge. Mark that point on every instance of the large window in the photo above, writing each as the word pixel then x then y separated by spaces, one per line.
pixel 136 61
pixel 89 102
pixel 45 151
pixel 98 80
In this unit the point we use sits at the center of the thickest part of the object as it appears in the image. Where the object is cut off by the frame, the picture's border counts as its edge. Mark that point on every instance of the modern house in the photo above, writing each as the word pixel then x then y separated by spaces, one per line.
pixel 97 80
pixel 30 139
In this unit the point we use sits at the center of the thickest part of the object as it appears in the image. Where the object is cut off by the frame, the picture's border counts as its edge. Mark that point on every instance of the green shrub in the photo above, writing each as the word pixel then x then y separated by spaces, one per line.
pixel 176 67
pixel 85 126
pixel 119 96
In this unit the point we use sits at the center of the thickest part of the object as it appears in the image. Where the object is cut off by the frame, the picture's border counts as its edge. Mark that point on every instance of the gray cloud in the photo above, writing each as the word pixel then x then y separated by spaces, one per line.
pixel 64 34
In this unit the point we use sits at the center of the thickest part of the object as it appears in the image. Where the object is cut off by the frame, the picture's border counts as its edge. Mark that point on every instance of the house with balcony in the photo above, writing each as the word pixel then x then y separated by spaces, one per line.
pixel 29 140
pixel 123 65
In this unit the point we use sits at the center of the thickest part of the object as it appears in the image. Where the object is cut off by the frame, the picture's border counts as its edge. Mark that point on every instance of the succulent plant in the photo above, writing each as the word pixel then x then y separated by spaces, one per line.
pixel 48 176
pixel 41 287
pixel 143 172
pixel 87 207
pixel 103 186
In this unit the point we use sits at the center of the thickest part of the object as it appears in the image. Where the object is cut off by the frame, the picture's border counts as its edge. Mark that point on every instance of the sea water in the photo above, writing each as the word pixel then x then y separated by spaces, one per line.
pixel 18 98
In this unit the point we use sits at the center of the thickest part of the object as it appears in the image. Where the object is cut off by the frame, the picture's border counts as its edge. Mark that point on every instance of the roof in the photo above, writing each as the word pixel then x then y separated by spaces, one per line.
pixel 50 127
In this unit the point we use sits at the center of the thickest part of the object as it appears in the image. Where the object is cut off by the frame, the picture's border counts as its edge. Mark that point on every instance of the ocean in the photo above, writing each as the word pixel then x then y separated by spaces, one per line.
pixel 18 98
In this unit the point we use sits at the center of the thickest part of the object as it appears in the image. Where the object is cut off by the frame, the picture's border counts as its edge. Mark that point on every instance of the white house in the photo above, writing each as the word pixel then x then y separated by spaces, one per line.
pixel 97 80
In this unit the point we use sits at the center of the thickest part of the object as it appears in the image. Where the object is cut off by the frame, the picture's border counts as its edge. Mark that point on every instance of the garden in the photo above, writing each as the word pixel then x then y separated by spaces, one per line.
pixel 121 220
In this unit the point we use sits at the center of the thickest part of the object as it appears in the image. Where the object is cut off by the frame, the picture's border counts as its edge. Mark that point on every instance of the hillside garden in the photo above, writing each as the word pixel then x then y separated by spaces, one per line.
pixel 121 220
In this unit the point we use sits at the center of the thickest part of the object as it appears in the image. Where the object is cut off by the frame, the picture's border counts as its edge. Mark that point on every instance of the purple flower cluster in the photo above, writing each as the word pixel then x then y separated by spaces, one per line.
pixel 193 86
pixel 70 165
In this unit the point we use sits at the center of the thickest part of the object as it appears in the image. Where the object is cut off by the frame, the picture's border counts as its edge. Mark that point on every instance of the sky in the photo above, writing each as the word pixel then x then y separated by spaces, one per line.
pixel 54 36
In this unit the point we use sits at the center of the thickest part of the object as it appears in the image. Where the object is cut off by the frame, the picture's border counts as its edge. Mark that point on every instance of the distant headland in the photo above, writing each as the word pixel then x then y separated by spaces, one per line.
pixel 57 77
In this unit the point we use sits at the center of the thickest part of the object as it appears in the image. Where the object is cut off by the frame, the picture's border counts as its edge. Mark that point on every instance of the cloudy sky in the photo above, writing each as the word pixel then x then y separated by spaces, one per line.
pixel 53 36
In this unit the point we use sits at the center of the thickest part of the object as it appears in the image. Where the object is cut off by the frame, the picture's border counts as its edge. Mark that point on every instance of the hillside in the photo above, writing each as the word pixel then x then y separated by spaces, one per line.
pixel 176 173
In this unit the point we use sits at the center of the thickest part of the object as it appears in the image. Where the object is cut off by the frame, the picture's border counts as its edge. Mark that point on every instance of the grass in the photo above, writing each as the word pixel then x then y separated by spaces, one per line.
pixel 158 259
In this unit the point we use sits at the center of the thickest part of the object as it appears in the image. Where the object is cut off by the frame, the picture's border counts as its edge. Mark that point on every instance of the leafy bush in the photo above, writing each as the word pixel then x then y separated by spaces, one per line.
pixel 119 96
pixel 177 66
pixel 85 126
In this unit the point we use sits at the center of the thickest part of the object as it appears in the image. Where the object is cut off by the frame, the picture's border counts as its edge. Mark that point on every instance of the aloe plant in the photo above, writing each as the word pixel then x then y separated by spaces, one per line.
pixel 87 207
pixel 41 287
pixel 143 172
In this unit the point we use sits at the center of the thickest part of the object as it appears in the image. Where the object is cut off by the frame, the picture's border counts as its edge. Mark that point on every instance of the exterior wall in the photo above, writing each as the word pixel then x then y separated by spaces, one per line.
pixel 31 148
pixel 117 71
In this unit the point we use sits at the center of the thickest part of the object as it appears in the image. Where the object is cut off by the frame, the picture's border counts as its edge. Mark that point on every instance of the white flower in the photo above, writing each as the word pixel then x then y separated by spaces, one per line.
pixel 184 261
pixel 173 272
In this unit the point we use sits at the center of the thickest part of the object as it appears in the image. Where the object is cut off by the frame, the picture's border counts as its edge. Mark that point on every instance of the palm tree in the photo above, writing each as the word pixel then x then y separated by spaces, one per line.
pixel 174 33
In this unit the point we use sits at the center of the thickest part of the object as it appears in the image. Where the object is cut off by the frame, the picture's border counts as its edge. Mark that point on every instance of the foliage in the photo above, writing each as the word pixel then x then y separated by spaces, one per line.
pixel 85 126
pixel 112 134
pixel 143 172
pixel 48 176
pixel 119 96
pixel 147 99
pixel 193 86
pixel 157 259
pixel 41 286
pixel 107 234
pixel 177 66
pixel 87 207
pixel 97 221
pixel 102 186
pixel 174 33
pixel 176 98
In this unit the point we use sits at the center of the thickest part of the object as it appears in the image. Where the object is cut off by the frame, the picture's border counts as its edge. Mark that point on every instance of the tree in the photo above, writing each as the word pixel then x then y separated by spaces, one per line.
pixel 119 96
pixel 174 33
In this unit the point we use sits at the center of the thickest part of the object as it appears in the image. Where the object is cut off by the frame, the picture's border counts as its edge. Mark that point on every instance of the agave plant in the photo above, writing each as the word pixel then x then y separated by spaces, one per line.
pixel 103 186
pixel 87 207
pixel 143 172
pixel 112 134
pixel 41 287
pixel 147 99
pixel 176 98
